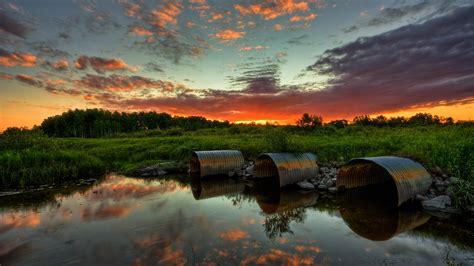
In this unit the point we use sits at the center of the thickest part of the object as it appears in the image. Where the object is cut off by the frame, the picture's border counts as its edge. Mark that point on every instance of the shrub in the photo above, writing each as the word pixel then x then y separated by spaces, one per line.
pixel 277 141
pixel 462 193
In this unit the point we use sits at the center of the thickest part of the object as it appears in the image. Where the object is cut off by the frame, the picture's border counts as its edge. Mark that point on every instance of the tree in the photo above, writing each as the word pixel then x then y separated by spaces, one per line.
pixel 310 121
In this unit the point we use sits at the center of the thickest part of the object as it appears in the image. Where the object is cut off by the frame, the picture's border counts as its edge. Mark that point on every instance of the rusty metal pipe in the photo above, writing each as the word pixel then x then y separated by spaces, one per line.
pixel 410 177
pixel 289 167
pixel 218 162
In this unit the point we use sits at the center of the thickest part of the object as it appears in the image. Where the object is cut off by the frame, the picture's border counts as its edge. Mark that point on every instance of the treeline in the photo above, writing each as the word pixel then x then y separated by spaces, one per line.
pixel 91 123
pixel 420 119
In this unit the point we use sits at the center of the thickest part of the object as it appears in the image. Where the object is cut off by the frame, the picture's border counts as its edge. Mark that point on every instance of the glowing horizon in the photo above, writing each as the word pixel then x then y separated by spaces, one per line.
pixel 241 61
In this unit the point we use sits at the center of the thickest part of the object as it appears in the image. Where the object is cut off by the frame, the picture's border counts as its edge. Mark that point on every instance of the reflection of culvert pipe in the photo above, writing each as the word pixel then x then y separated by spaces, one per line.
pixel 218 162
pixel 210 188
pixel 410 178
pixel 289 167
pixel 373 215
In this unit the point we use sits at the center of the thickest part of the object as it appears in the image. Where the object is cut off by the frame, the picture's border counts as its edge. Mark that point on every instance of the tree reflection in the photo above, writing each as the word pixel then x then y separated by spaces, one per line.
pixel 275 225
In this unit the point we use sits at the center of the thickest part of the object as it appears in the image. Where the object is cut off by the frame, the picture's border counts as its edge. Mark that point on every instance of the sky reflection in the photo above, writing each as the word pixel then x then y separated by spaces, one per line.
pixel 141 222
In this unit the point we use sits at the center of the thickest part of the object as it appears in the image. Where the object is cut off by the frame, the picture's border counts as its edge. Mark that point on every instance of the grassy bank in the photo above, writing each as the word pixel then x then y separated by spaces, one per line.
pixel 30 159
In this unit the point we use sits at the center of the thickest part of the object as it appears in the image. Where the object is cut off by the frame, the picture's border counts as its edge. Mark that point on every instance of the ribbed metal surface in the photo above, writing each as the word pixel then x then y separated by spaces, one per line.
pixel 286 200
pixel 377 219
pixel 410 178
pixel 210 188
pixel 218 162
pixel 289 167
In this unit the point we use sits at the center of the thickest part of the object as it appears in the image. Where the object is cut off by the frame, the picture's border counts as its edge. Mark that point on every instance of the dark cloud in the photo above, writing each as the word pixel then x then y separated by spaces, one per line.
pixel 102 65
pixel 298 40
pixel 11 26
pixel 60 65
pixel 119 83
pixel 27 79
pixel 261 79
pixel 413 65
pixel 47 49
pixel 350 29
pixel 392 14
pixel 153 67
pixel 427 64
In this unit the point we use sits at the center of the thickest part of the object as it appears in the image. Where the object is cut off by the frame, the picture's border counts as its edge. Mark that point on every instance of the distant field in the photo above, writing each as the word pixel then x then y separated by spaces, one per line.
pixel 30 159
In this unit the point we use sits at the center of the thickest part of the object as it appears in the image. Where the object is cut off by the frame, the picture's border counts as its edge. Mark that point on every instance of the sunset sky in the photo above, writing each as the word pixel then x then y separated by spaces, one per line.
pixel 268 60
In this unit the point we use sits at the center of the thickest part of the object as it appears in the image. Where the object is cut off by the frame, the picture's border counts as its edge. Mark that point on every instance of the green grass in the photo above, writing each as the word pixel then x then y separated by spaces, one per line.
pixel 30 160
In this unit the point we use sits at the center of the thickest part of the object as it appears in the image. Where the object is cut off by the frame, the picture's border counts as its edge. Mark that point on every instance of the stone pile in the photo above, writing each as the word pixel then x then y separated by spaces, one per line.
pixel 326 180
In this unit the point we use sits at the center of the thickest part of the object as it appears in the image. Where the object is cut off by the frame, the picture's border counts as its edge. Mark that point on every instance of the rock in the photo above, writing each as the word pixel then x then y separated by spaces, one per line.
pixel 470 209
pixel 322 187
pixel 439 203
pixel 154 170
pixel 332 189
pixel 445 176
pixel 453 179
pixel 305 185
pixel 421 198
pixel 231 173
pixel 9 193
pixel 439 183
pixel 334 180
pixel 249 170
pixel 441 188
pixel 160 169
pixel 324 169
pixel 329 183
pixel 447 183
pixel 239 172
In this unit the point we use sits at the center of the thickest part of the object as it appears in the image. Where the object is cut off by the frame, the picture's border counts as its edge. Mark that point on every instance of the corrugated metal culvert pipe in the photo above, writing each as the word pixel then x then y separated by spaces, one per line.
pixel 410 178
pixel 218 162
pixel 289 167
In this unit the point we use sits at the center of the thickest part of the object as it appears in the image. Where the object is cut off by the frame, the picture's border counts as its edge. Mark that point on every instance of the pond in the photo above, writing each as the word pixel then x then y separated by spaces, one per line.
pixel 122 220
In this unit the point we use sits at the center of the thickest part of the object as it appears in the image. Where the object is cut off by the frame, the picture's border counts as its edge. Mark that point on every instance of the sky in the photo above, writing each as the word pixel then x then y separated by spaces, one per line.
pixel 242 61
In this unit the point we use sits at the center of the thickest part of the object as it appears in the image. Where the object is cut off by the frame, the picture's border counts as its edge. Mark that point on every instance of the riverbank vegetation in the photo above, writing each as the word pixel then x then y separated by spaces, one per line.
pixel 39 156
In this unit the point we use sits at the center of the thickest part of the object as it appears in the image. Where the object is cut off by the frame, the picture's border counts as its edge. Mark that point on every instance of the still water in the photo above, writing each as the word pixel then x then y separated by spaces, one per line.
pixel 130 221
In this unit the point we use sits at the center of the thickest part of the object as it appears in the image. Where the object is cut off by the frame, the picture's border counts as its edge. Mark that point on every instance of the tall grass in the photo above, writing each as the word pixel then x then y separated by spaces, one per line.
pixel 32 160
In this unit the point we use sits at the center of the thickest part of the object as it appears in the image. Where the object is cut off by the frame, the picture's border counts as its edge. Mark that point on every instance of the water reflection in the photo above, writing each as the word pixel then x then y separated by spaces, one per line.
pixel 372 212
pixel 165 221
pixel 210 187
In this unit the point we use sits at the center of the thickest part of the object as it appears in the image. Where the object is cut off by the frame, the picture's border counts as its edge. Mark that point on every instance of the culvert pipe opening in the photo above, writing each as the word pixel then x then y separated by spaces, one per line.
pixel 408 177
pixel 217 162
pixel 289 168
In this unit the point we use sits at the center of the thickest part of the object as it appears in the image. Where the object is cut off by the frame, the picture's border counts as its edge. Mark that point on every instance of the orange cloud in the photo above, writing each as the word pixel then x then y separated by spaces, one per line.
pixel 228 34
pixel 190 24
pixel 101 65
pixel 272 9
pixel 278 257
pixel 167 14
pixel 140 31
pixel 215 16
pixel 130 9
pixel 30 80
pixel 233 235
pixel 60 65
pixel 5 76
pixel 199 5
pixel 277 27
pixel 297 18
pixel 16 59
pixel 248 48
